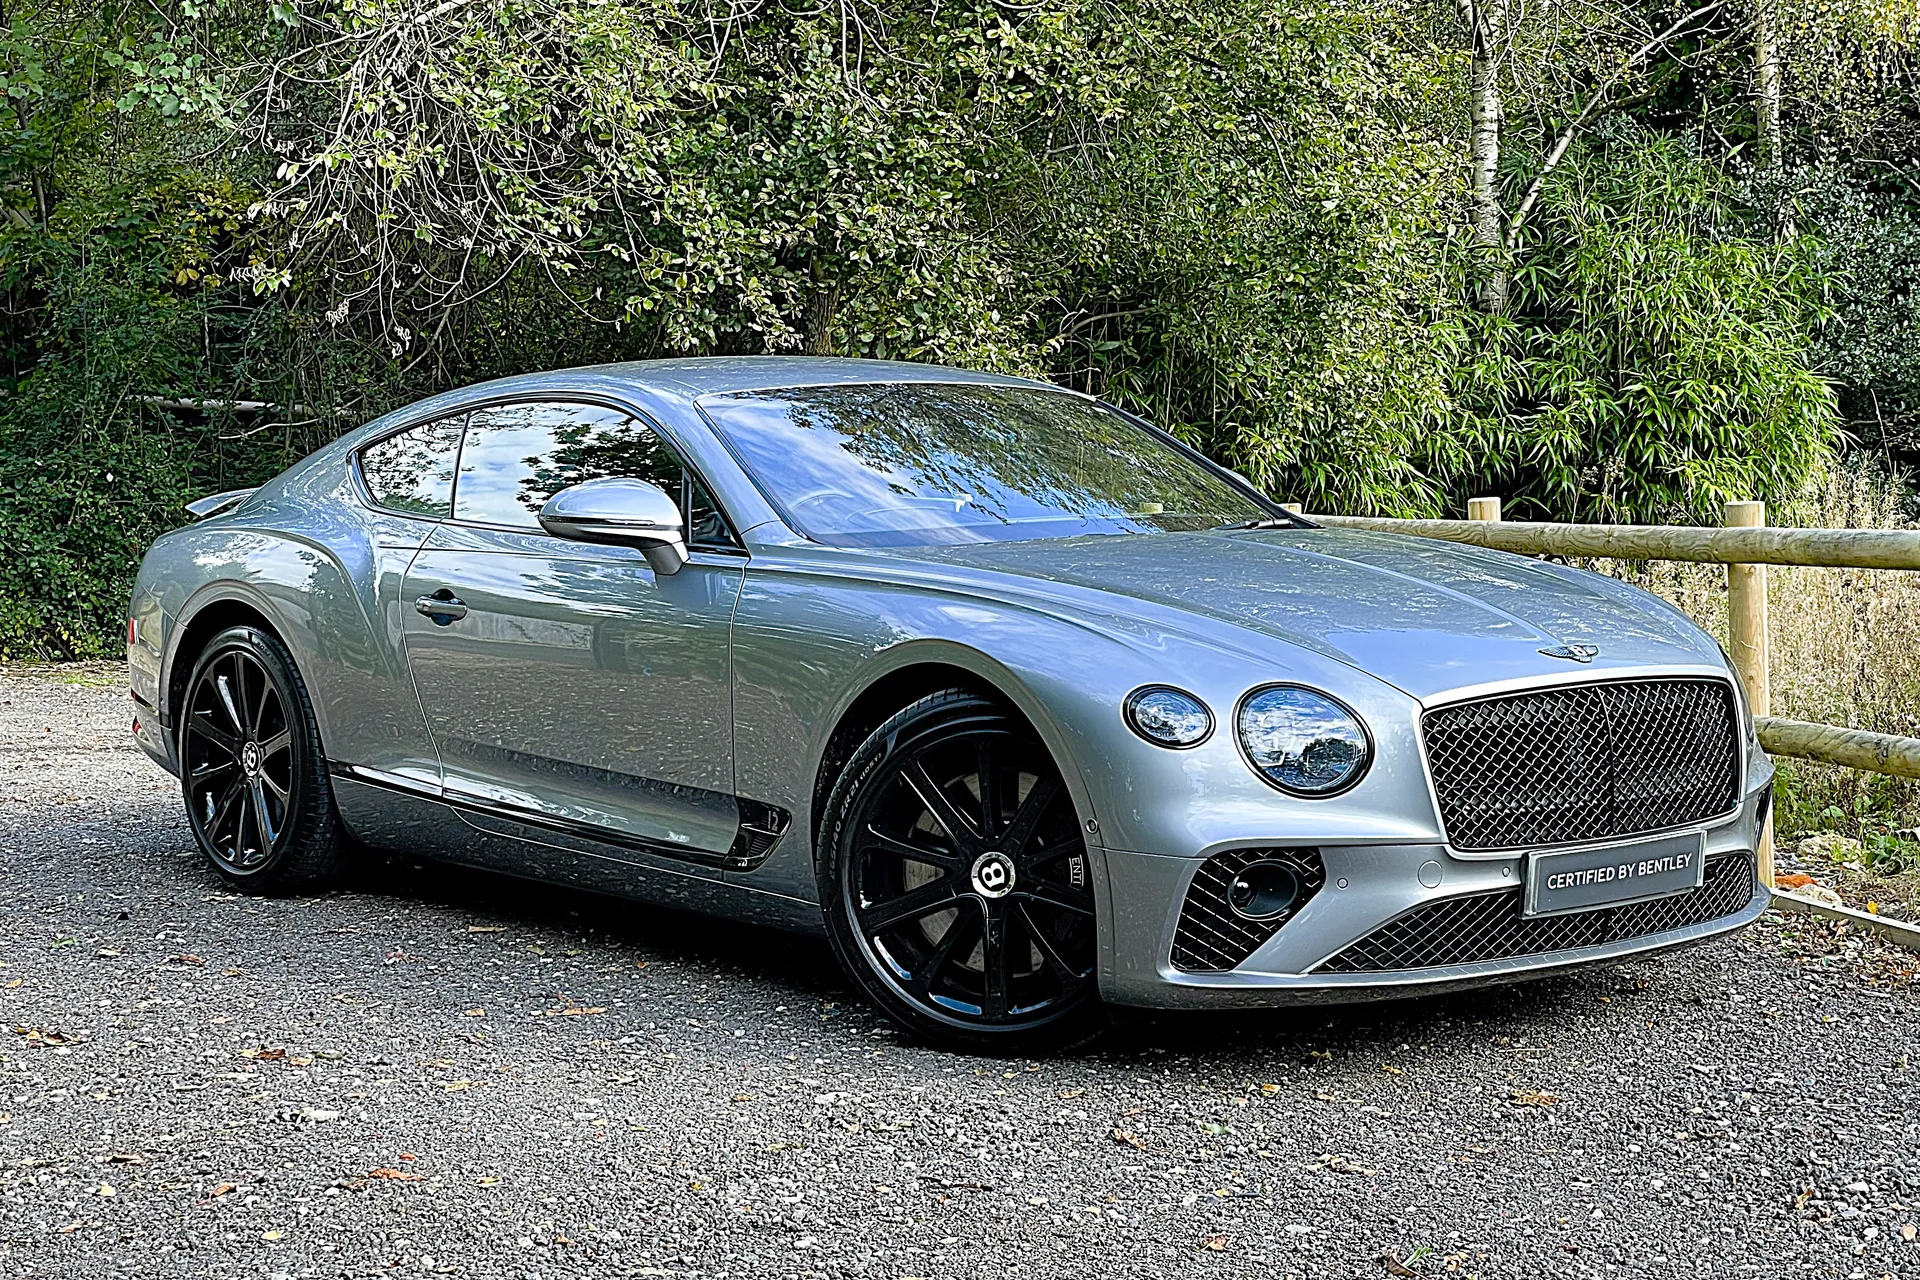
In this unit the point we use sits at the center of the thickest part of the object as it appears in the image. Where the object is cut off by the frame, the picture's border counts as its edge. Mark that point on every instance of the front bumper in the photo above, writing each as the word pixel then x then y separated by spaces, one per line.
pixel 1367 887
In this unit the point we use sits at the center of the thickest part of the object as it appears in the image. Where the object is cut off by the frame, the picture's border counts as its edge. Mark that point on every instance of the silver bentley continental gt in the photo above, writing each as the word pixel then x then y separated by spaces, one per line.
pixel 1027 707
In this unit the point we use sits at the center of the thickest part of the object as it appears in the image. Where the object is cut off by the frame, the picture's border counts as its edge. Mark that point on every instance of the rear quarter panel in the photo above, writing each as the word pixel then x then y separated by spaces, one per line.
pixel 326 572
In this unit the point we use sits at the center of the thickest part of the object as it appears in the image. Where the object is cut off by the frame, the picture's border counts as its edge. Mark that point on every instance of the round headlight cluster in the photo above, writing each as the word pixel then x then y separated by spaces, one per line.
pixel 1167 717
pixel 1303 742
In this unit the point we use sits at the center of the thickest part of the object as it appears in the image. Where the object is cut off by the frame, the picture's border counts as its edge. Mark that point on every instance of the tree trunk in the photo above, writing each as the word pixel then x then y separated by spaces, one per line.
pixel 1486 25
pixel 1766 81
pixel 821 309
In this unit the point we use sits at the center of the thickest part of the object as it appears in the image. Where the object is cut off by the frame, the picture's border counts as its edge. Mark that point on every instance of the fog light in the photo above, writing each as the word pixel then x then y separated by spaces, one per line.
pixel 1263 891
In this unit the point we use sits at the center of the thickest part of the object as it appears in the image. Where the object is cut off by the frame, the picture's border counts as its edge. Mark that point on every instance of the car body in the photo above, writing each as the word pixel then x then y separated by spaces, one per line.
pixel 676 738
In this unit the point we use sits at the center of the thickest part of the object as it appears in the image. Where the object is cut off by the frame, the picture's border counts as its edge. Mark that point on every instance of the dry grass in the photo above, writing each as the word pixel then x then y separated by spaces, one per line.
pixel 1845 650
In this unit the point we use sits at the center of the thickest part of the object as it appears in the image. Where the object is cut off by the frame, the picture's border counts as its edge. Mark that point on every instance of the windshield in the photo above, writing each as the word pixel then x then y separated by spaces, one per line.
pixel 919 463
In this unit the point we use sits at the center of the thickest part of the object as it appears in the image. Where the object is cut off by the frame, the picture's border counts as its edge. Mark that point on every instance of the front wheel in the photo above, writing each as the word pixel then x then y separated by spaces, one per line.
pixel 956 884
pixel 258 797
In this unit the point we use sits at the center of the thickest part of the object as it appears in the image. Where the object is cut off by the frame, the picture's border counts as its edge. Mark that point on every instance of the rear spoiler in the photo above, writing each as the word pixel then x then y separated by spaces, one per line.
pixel 214 503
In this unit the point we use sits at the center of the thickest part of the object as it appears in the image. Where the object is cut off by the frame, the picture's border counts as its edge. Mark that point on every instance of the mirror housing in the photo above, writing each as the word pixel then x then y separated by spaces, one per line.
pixel 621 512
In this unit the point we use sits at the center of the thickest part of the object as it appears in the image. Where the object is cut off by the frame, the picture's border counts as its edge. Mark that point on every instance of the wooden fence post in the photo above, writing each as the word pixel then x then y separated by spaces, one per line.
pixel 1483 509
pixel 1747 641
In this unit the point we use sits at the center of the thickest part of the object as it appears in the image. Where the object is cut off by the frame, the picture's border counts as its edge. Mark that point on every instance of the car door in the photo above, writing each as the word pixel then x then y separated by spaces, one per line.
pixel 573 694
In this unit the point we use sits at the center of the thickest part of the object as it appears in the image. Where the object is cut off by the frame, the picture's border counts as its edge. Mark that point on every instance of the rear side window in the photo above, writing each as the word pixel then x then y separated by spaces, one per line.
pixel 412 472
pixel 519 455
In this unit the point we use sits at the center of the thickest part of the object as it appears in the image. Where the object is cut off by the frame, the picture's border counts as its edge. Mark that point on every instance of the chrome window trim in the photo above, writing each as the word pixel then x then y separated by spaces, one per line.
pixel 674 445
pixel 364 491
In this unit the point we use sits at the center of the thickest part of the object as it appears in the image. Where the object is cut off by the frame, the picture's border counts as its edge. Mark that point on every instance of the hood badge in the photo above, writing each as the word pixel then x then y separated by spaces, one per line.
pixel 1573 652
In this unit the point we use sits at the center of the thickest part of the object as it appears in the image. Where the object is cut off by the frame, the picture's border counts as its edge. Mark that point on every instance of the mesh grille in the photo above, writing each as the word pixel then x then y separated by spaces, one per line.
pixel 1586 762
pixel 1211 938
pixel 1488 926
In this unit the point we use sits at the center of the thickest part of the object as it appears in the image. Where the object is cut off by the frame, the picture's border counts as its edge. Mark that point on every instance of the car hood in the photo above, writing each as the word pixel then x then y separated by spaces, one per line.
pixel 1422 615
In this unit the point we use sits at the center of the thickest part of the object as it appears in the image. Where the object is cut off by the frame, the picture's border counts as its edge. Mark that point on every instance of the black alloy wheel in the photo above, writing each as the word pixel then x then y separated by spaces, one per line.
pixel 956 881
pixel 251 769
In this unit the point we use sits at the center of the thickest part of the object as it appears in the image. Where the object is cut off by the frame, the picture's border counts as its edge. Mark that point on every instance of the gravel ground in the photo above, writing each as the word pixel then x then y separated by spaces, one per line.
pixel 443 1072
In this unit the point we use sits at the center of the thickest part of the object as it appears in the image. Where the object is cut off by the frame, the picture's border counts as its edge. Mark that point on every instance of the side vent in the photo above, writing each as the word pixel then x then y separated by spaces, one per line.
pixel 761 826
pixel 1238 900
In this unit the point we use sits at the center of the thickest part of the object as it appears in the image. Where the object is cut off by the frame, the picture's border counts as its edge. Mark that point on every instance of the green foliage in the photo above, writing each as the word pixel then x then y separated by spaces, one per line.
pixel 1655 361
pixel 1243 220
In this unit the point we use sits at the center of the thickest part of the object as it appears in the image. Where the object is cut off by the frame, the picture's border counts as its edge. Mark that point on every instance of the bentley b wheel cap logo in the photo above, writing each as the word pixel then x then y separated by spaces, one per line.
pixel 250 759
pixel 993 875
pixel 1573 652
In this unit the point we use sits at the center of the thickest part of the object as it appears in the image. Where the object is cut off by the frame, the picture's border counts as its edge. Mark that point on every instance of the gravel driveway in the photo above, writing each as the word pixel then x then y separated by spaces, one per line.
pixel 445 1072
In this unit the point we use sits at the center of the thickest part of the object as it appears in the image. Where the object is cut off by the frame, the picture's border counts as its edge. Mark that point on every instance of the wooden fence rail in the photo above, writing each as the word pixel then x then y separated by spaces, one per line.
pixel 1746 545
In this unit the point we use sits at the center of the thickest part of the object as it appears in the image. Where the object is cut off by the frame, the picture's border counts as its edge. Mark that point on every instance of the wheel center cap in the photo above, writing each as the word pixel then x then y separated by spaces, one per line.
pixel 993 874
pixel 250 759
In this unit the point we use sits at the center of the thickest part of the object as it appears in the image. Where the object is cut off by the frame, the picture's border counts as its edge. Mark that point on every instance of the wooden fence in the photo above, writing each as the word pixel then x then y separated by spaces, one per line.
pixel 1746 546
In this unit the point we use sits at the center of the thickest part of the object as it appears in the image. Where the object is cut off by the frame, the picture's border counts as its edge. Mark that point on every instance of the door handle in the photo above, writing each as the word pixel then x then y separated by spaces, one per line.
pixel 442 608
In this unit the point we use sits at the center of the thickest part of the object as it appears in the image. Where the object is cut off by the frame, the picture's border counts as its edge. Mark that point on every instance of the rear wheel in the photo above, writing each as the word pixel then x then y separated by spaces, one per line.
pixel 956 884
pixel 251 769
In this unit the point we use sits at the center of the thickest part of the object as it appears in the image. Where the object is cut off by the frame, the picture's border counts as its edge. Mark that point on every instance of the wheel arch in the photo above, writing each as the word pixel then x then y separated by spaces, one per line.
pixel 910 672
pixel 224 606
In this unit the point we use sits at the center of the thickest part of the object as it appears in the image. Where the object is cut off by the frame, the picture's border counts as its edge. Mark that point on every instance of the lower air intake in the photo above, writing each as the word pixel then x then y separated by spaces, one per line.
pixel 1213 936
pixel 1489 926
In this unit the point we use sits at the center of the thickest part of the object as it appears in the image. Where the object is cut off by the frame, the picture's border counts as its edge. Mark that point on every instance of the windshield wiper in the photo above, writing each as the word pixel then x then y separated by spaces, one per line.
pixel 1269 522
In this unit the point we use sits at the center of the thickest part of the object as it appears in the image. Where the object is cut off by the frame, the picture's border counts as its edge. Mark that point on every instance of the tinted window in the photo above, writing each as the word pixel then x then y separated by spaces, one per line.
pixel 519 455
pixel 413 471
pixel 906 464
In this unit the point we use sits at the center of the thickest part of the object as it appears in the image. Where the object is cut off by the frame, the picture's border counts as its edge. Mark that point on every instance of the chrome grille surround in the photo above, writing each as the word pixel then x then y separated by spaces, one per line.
pixel 1573 763
pixel 1211 938
pixel 1488 926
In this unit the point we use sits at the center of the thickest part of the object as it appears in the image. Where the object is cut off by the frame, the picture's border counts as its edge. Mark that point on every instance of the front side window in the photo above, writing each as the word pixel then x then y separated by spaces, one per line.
pixel 924 464
pixel 518 455
pixel 412 472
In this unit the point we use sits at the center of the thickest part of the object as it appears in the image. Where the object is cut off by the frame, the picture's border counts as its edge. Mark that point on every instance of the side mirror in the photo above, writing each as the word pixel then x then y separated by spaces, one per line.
pixel 622 512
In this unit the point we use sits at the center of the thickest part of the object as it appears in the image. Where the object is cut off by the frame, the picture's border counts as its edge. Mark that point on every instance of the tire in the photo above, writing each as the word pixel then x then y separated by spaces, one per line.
pixel 955 882
pixel 252 773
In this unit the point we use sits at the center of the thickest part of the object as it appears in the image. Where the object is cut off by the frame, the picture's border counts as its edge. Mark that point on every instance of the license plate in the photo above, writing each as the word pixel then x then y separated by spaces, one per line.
pixel 1584 879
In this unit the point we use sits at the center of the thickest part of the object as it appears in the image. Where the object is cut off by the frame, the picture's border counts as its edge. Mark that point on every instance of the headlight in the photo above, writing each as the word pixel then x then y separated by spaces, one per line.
pixel 1303 742
pixel 1168 717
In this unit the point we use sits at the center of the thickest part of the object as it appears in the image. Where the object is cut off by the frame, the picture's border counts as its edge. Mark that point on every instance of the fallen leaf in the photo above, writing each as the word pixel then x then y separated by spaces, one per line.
pixel 185 959
pixel 487 1182
pixel 486 928
pixel 42 1037
pixel 461 1086
pixel 1531 1098
pixel 395 1175
pixel 105 1189
pixel 272 1235
pixel 474 1013
pixel 264 1054
pixel 217 1192
pixel 743 1097
pixel 1216 1244
pixel 1128 1138
pixel 1065 1094
pixel 107 953
pixel 1395 1267
pixel 575 1011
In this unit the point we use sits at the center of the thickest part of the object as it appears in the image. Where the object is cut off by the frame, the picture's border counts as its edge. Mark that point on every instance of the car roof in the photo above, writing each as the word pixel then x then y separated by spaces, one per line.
pixel 696 376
